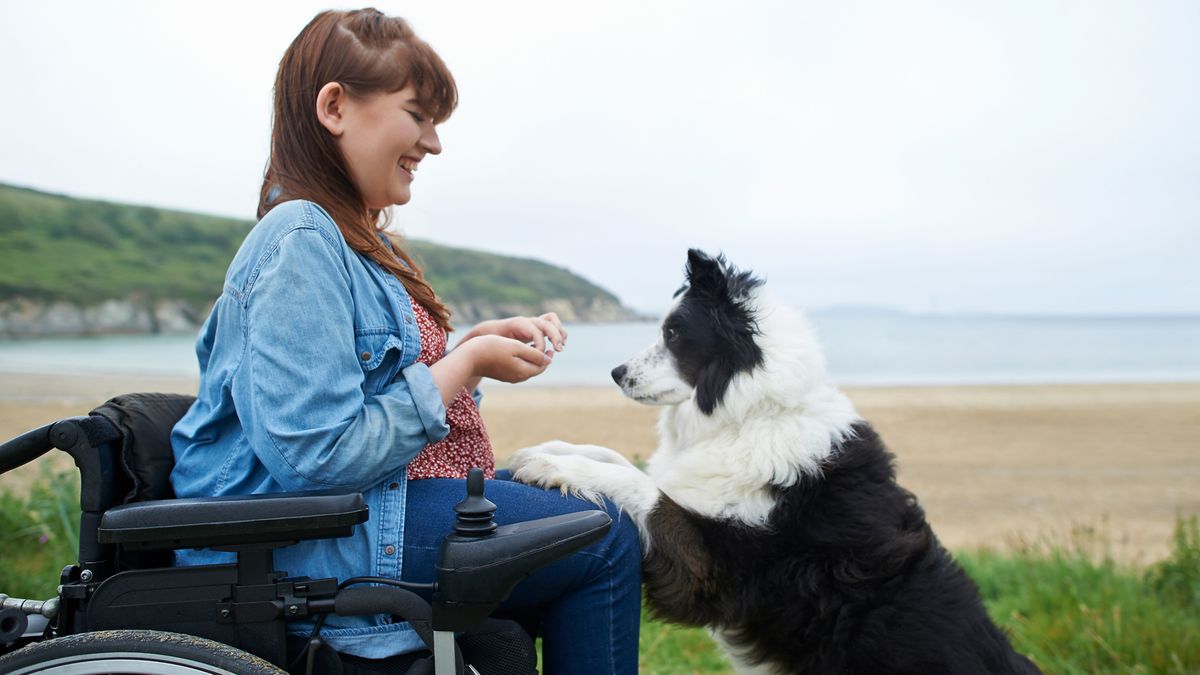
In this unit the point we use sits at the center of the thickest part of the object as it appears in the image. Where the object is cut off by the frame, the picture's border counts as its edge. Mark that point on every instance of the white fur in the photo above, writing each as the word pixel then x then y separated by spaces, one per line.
pixel 598 453
pixel 738 660
pixel 652 379
pixel 775 424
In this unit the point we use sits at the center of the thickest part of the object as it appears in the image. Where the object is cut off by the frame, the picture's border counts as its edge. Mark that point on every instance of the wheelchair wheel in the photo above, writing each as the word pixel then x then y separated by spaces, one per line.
pixel 134 651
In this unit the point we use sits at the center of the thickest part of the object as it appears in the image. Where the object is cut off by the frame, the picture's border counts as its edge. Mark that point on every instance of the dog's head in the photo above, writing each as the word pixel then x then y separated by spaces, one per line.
pixel 709 335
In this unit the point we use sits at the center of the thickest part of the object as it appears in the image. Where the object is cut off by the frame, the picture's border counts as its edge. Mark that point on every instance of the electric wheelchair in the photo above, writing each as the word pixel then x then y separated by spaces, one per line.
pixel 123 609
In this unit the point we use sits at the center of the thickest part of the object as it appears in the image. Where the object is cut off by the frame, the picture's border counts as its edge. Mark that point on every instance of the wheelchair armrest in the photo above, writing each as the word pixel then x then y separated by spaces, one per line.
pixel 224 521
pixel 477 573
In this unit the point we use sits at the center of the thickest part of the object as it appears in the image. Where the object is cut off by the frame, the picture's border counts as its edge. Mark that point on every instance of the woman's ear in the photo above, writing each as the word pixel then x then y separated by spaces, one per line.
pixel 331 103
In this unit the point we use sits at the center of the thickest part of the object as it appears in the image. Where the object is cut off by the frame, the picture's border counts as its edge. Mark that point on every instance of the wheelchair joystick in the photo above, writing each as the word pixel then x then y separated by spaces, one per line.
pixel 475 512
pixel 480 563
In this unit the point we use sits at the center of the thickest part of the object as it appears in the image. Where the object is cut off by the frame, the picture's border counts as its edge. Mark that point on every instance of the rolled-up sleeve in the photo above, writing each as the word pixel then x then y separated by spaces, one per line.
pixel 299 388
pixel 427 399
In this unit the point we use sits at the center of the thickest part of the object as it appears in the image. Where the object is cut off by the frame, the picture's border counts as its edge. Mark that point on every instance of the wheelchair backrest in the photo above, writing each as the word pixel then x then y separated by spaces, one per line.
pixel 123 451
pixel 143 452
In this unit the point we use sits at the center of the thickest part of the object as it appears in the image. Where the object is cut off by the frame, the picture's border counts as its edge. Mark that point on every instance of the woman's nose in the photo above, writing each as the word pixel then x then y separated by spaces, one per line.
pixel 430 141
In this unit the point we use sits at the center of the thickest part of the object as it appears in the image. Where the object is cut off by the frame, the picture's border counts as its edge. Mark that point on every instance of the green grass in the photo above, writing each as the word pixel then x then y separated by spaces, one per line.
pixel 40 534
pixel 673 650
pixel 1067 605
pixel 1073 609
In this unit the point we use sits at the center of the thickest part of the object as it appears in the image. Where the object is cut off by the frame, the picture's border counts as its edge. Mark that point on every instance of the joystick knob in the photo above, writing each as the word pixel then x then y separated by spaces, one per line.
pixel 475 512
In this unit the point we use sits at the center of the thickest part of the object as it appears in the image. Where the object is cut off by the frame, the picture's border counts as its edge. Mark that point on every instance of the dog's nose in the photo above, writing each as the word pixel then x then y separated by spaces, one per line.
pixel 618 373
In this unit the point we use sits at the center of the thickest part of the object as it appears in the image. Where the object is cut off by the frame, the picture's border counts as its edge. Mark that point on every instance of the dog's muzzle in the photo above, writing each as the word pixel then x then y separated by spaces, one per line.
pixel 618 373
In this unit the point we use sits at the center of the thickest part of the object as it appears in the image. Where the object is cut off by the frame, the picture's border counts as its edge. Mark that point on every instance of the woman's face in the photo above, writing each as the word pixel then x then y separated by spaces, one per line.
pixel 384 136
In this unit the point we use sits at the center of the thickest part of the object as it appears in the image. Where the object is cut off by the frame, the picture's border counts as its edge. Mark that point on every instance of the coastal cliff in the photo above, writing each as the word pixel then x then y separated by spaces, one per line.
pixel 23 318
pixel 80 267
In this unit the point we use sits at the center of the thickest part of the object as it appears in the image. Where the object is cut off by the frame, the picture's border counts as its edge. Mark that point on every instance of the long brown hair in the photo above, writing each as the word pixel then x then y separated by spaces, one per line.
pixel 366 52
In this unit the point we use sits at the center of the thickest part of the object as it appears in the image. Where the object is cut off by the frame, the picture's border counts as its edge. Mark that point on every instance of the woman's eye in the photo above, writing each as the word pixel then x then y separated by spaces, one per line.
pixel 417 116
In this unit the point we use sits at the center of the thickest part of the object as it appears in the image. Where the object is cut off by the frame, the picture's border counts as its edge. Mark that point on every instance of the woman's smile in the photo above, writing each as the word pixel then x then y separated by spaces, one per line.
pixel 408 166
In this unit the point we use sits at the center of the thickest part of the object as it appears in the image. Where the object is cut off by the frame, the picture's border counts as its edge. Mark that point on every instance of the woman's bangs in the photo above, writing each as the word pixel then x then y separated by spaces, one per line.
pixel 435 86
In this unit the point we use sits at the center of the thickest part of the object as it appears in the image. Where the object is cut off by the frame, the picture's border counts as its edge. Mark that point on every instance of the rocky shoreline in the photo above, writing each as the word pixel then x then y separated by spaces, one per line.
pixel 23 318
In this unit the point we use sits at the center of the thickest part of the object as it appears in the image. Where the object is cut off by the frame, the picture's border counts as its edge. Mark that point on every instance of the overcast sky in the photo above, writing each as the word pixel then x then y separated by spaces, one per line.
pixel 1007 157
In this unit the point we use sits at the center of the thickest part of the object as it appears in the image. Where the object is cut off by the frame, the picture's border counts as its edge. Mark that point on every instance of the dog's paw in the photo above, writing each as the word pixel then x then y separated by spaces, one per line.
pixel 523 456
pixel 600 453
pixel 537 468
pixel 555 447
pixel 593 452
pixel 553 471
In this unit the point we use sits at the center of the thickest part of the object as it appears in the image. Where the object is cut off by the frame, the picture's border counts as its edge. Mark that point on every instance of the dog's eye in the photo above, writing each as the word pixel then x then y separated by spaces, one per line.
pixel 669 334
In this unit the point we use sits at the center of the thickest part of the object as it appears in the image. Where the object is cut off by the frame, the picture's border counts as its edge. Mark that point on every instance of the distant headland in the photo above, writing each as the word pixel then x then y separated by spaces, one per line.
pixel 73 266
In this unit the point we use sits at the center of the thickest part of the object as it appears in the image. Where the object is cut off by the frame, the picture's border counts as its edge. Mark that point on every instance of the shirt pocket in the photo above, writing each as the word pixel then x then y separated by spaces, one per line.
pixel 380 353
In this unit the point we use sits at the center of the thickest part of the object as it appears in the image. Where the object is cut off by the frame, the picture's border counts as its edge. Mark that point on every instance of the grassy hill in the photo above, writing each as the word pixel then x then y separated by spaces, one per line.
pixel 56 249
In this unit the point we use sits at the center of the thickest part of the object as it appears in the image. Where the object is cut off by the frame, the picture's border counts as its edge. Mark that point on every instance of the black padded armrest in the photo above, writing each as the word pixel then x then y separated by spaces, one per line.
pixel 224 521
pixel 477 573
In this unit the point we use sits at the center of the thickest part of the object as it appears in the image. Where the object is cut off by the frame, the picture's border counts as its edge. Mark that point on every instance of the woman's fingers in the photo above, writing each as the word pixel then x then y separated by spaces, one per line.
pixel 531 355
pixel 526 362
pixel 534 330
pixel 530 330
pixel 552 319
pixel 506 359
pixel 552 332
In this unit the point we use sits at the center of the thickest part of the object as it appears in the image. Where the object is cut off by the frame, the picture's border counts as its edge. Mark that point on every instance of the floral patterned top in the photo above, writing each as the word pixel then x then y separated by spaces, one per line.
pixel 467 445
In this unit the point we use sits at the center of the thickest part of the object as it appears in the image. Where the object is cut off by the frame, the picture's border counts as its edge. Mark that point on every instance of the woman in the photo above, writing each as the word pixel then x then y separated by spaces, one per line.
pixel 324 362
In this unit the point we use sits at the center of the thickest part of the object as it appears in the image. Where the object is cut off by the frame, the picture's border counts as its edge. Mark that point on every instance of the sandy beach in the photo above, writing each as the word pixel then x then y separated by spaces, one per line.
pixel 993 466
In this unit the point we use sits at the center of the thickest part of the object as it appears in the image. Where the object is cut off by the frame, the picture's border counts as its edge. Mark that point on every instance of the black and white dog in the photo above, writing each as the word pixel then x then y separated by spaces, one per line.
pixel 770 511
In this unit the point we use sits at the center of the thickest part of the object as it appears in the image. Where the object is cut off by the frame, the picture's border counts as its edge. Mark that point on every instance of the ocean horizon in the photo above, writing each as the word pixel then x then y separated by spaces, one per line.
pixel 863 348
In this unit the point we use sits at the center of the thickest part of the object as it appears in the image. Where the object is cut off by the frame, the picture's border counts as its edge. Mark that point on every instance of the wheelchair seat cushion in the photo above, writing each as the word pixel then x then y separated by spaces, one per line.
pixel 145 422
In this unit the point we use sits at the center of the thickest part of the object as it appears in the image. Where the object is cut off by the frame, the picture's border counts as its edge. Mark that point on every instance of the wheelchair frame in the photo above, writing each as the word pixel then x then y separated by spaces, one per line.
pixel 123 580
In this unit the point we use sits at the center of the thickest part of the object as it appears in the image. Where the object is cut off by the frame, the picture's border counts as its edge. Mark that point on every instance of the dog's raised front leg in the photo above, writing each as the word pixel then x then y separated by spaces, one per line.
pixel 678 570
pixel 595 452
pixel 586 478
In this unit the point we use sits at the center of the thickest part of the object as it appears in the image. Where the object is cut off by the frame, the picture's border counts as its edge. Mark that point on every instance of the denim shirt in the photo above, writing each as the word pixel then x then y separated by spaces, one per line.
pixel 309 380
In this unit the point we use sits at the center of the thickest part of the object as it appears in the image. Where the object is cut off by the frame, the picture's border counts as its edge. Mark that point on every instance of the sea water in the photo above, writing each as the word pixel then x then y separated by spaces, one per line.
pixel 861 349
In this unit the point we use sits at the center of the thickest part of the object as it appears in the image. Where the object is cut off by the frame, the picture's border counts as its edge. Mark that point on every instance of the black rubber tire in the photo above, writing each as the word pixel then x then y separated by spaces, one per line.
pixel 134 651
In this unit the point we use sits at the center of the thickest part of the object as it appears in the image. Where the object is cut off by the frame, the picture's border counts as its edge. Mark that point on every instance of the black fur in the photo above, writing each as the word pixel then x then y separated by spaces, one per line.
pixel 711 332
pixel 846 578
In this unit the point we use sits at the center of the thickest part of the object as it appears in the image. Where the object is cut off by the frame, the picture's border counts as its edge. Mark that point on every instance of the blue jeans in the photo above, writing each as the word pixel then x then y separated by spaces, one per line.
pixel 588 605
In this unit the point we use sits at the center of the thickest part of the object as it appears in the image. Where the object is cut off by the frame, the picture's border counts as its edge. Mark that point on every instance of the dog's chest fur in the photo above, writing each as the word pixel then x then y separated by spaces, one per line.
pixel 725 465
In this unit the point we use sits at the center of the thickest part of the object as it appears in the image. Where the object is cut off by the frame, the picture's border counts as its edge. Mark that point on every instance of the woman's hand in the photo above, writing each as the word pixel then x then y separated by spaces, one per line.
pixel 500 358
pixel 535 330
pixel 505 359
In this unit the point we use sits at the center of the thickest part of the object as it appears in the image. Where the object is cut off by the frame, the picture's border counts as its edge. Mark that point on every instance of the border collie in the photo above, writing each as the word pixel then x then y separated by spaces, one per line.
pixel 770 511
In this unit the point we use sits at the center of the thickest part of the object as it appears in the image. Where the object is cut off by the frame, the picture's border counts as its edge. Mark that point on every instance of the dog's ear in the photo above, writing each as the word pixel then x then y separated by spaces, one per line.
pixel 711 384
pixel 705 274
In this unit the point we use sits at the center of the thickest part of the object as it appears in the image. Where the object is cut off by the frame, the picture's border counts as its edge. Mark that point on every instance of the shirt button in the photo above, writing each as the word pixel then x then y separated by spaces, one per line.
pixel 408 320
pixel 394 486
pixel 366 356
pixel 390 550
